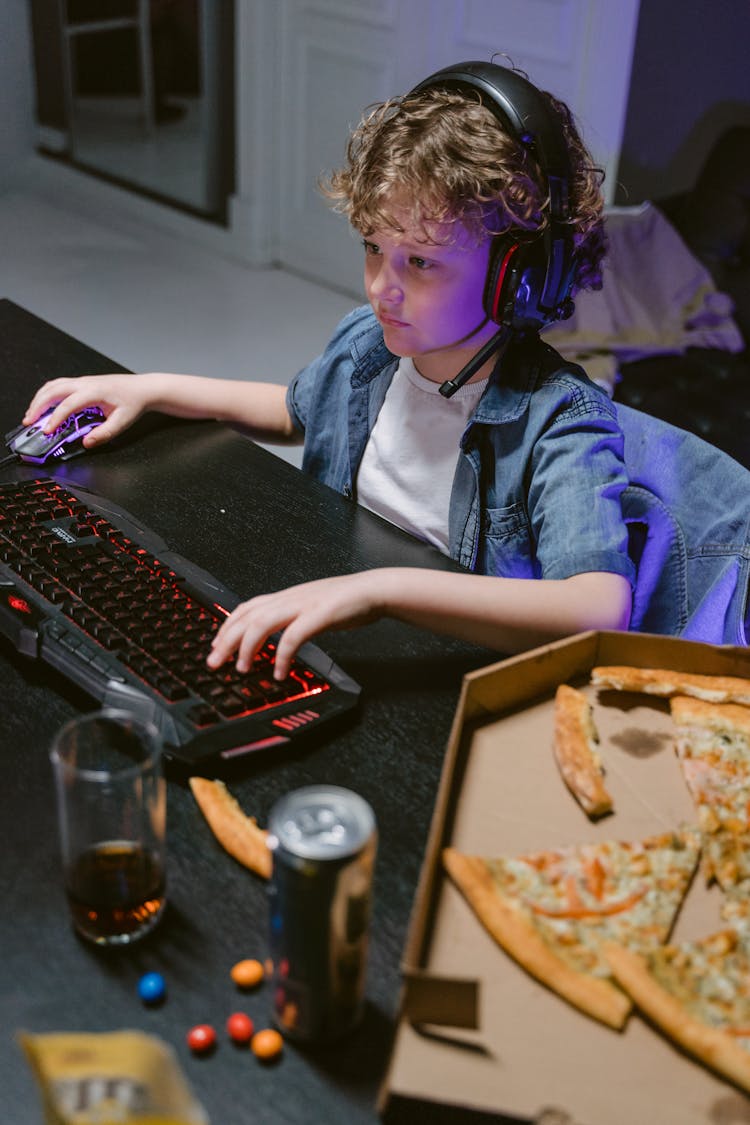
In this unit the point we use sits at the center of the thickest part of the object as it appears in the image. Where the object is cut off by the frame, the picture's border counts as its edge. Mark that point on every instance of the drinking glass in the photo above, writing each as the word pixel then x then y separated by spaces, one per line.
pixel 111 800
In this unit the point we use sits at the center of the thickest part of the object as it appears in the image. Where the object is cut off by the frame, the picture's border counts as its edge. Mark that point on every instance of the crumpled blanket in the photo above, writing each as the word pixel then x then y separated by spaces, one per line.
pixel 656 299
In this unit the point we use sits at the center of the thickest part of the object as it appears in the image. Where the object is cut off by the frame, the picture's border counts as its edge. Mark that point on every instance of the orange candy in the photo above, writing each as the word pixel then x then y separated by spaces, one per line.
pixel 246 974
pixel 266 1044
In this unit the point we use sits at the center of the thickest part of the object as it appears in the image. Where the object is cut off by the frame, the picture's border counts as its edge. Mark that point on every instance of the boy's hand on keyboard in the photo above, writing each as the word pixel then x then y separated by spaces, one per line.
pixel 121 398
pixel 301 612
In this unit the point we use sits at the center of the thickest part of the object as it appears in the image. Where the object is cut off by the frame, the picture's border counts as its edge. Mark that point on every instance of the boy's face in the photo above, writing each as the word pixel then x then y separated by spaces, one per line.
pixel 427 295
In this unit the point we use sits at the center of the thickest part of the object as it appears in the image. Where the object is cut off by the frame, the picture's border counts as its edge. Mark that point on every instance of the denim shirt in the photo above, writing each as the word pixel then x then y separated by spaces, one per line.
pixel 554 479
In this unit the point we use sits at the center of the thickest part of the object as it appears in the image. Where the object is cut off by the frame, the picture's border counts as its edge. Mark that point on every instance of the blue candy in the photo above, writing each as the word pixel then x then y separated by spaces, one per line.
pixel 151 988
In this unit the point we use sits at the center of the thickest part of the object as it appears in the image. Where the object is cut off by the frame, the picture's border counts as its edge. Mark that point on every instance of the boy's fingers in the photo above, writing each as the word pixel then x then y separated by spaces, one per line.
pixel 35 410
pixel 56 418
pixel 242 634
pixel 99 435
pixel 65 405
pixel 50 394
pixel 225 643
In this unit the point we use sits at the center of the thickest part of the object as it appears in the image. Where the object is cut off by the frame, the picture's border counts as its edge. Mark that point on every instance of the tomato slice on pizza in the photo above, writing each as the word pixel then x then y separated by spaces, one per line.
pixel 554 911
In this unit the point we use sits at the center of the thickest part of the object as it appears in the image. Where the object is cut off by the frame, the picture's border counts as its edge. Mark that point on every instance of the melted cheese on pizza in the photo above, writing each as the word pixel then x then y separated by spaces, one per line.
pixel 711 979
pixel 713 747
pixel 581 897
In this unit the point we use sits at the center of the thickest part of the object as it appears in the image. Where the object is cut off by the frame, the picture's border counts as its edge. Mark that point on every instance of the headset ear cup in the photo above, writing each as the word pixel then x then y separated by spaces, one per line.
pixel 499 297
pixel 515 278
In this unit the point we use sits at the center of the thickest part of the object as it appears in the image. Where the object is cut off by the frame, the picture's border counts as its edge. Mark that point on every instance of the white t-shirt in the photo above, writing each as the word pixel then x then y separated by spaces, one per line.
pixel 407 469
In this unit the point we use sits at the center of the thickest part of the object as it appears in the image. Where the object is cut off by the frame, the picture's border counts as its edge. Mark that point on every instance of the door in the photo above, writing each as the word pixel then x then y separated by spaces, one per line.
pixel 338 56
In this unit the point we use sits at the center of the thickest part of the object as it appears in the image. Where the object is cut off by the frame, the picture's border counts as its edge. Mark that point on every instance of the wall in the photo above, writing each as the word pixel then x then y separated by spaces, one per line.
pixel 689 81
pixel 16 85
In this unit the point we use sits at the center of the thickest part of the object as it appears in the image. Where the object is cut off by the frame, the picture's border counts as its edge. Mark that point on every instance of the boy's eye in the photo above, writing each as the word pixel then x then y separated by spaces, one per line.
pixel 420 263
pixel 370 247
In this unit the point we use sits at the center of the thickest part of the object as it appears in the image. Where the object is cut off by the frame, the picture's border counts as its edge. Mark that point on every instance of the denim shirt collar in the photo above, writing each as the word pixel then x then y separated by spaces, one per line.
pixel 508 392
pixel 370 356
pixel 505 398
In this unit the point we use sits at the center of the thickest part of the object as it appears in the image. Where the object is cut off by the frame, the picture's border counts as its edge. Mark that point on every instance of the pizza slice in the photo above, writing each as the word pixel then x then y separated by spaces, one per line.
pixel 574 746
pixel 665 682
pixel 698 994
pixel 713 747
pixel 237 833
pixel 554 911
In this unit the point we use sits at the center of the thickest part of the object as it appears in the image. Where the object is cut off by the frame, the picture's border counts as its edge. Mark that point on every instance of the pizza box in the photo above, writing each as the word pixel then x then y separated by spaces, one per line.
pixel 475 1032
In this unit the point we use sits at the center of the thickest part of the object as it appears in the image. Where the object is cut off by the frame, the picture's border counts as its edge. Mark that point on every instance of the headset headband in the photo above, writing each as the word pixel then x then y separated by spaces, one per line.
pixel 521 108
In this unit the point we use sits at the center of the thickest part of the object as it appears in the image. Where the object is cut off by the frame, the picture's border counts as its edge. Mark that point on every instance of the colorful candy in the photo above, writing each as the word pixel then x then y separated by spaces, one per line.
pixel 151 988
pixel 240 1027
pixel 246 974
pixel 266 1044
pixel 201 1038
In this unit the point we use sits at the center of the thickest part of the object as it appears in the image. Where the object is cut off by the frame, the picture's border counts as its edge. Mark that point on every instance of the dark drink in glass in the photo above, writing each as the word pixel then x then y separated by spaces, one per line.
pixel 116 891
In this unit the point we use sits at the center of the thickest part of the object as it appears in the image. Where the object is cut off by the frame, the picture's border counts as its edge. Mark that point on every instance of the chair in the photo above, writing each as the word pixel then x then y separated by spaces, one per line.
pixel 707 391
pixel 77 20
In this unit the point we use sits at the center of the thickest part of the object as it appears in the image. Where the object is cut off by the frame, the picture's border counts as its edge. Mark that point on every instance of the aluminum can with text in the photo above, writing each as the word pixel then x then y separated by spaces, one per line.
pixel 324 840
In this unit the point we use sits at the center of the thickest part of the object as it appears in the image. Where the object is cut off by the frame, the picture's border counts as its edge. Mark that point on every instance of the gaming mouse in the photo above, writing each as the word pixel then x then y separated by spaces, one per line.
pixel 31 444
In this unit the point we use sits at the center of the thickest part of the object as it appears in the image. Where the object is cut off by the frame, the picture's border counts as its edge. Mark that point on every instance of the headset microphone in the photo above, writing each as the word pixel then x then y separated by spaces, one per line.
pixel 450 386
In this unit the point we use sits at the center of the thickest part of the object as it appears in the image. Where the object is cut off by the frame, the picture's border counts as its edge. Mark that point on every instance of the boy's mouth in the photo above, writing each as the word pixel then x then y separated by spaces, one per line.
pixel 391 321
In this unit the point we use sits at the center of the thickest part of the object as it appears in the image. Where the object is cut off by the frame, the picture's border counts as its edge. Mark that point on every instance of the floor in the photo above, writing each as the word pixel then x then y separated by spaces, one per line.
pixel 154 301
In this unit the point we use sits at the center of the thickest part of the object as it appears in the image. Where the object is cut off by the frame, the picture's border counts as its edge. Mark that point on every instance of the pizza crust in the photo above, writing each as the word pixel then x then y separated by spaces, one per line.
pixel 238 834
pixel 664 682
pixel 574 742
pixel 517 935
pixel 713 717
pixel 710 1045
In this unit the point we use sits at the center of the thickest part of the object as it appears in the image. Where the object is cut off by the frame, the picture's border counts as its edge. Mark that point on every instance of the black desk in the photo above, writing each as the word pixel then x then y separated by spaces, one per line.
pixel 257 523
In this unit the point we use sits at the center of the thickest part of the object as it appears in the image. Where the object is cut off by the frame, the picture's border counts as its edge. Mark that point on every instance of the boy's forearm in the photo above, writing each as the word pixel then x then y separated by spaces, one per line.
pixel 508 614
pixel 259 407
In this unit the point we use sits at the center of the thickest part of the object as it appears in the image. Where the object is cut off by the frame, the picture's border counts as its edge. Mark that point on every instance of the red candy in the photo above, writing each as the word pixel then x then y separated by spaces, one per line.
pixel 201 1038
pixel 240 1027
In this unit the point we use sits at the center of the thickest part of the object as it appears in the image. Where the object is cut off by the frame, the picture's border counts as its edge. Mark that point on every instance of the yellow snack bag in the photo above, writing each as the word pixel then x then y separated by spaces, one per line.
pixel 110 1078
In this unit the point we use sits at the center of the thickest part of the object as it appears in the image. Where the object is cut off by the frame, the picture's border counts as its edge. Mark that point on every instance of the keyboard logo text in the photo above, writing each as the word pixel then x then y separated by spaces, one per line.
pixel 61 533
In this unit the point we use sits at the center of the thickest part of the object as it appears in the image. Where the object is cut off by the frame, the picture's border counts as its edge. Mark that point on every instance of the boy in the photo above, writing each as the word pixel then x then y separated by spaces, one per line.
pixel 524 472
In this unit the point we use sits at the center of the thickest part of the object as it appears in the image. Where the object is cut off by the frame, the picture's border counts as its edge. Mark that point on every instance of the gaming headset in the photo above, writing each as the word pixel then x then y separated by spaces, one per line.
pixel 530 277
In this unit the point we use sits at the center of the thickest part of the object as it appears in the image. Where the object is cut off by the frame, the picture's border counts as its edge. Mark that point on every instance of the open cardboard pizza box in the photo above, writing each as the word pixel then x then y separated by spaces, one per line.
pixel 475 1030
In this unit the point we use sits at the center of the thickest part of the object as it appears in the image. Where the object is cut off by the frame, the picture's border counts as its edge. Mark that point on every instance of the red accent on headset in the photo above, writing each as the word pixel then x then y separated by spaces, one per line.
pixel 500 279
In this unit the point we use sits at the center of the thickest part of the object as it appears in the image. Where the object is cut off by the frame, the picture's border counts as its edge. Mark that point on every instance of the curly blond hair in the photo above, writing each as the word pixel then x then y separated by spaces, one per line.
pixel 445 158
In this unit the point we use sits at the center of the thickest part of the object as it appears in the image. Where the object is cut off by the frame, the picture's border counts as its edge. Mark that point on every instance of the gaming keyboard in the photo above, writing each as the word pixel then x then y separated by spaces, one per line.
pixel 105 602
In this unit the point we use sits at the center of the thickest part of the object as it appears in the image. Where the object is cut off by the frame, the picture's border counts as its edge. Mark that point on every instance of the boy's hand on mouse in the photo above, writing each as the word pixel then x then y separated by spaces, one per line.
pixel 121 398
pixel 301 612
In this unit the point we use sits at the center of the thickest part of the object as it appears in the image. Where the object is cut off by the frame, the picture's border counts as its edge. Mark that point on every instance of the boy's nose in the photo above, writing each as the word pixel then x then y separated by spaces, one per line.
pixel 385 285
pixel 382 279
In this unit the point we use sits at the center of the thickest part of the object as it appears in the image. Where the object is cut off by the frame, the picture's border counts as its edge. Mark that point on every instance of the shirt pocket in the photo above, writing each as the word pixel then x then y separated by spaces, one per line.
pixel 506 546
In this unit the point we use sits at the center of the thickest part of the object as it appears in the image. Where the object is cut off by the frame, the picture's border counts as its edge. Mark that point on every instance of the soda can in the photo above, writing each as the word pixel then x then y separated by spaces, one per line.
pixel 323 840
